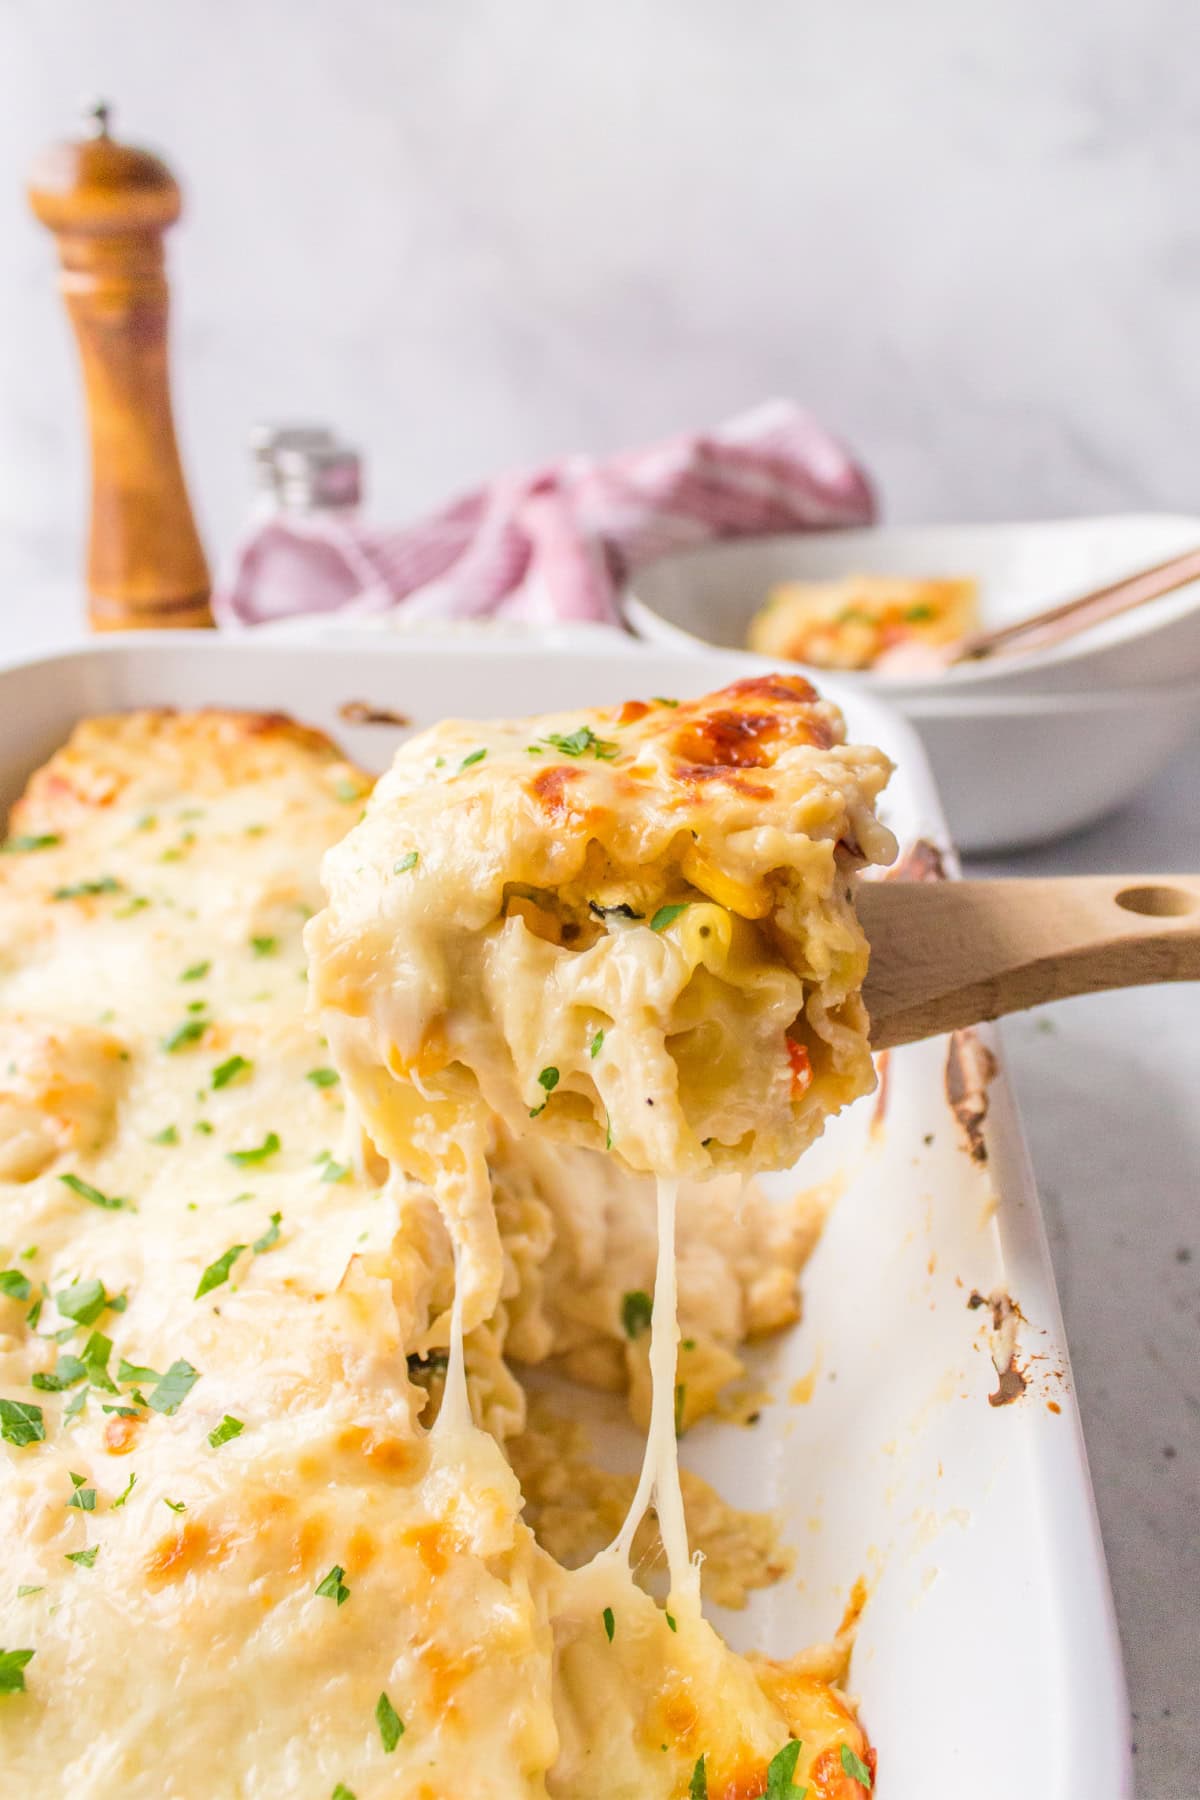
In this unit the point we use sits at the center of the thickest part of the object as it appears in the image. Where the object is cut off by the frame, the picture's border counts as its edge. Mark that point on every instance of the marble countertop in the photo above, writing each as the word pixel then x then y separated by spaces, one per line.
pixel 1108 1088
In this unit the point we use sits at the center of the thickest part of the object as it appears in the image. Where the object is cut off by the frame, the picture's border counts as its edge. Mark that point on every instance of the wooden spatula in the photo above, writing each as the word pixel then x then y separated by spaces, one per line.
pixel 950 953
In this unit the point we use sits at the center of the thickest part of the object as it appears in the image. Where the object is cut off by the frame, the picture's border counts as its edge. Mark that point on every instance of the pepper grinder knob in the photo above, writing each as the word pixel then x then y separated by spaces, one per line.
pixel 108 206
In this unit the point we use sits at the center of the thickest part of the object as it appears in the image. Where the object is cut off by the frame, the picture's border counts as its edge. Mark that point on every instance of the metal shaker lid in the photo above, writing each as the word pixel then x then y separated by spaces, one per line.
pixel 318 477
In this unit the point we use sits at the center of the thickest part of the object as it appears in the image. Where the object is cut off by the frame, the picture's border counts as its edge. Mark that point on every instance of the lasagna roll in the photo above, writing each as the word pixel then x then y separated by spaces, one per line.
pixel 629 929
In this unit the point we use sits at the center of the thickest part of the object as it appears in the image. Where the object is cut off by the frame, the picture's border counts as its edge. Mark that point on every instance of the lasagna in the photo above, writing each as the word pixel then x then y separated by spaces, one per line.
pixel 262 1538
pixel 862 620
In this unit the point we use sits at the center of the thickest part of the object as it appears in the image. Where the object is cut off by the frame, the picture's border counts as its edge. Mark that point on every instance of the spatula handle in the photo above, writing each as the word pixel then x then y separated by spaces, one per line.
pixel 954 953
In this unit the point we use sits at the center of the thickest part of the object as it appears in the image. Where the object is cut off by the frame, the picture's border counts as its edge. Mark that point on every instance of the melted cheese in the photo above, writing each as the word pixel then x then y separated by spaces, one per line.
pixel 151 1012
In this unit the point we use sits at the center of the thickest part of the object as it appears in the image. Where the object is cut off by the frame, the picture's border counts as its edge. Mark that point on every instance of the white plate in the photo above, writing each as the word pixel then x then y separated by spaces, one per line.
pixel 988 1656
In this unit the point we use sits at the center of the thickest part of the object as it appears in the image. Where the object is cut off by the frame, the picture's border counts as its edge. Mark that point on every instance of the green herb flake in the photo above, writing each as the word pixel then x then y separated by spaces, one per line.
pixel 597 1044
pixel 83 1301
pixel 323 1078
pixel 25 1589
pixel 176 1506
pixel 535 1112
pixel 21 1423
pixel 548 1079
pixel 197 1006
pixel 698 1786
pixel 204 1127
pixel 406 863
pixel 228 1428
pixel 86 1191
pixel 96 1353
pixel 680 1403
pixel 578 743
pixel 670 1621
pixel 84 1498
pixel 270 1236
pixel 15 1285
pixel 75 1406
pixel 855 1767
pixel 125 1492
pixel 26 845
pixel 218 1271
pixel 391 1725
pixel 34 1314
pixel 196 972
pixel 662 700
pixel 341 1792
pixel 666 914
pixel 188 1033
pixel 168 1135
pixel 66 1372
pixel 916 615
pixel 12 1670
pixel 136 904
pixel 229 1070
pixel 780 1770
pixel 475 756
pixel 348 791
pixel 85 1558
pixel 173 1387
pixel 610 1623
pixel 264 946
pixel 135 1372
pixel 333 1588
pixel 244 1159
pixel 84 890
pixel 637 1309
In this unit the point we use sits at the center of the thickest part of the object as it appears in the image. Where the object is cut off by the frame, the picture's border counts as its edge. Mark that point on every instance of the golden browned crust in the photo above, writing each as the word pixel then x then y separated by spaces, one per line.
pixel 117 758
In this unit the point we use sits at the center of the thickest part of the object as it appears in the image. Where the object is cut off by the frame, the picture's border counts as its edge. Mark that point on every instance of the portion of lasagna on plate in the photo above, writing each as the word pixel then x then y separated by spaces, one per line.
pixel 280 1516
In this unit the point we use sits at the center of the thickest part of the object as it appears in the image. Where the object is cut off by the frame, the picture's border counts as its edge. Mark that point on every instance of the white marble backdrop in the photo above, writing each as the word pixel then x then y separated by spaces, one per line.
pixel 487 230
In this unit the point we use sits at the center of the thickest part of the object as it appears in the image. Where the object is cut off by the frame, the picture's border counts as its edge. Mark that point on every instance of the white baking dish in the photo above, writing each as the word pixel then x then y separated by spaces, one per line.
pixel 987 1659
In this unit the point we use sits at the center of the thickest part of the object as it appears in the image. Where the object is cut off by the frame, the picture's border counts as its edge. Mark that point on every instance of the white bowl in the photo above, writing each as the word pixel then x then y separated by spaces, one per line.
pixel 712 593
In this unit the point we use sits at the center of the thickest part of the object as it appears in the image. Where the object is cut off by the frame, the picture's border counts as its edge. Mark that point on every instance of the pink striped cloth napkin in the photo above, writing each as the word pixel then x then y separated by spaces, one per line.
pixel 555 543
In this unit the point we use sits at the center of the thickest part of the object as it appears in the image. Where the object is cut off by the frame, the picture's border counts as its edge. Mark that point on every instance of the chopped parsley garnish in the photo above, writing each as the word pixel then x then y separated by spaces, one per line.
pixel 12 1670
pixel 597 1045
pixel 196 972
pixel 270 1236
pixel 34 1314
pixel 84 1497
pixel 75 1406
pixel 670 1621
pixel 583 740
pixel 323 1078
pixel 391 1725
pixel 125 1492
pixel 14 1284
pixel 86 1191
pixel 637 1309
pixel 662 700
pixel 264 946
pixel 66 1372
pixel 204 1127
pixel 83 1301
pixel 176 1506
pixel 173 1387
pixel 96 1353
pixel 188 1033
pixel 780 1770
pixel 698 1786
pixel 83 890
pixel 665 914
pixel 607 1132
pixel 610 1623
pixel 123 1412
pixel 26 1589
pixel 341 1792
pixel 227 1429
pixel 406 863
pixel 21 1423
pixel 548 1079
pixel 680 1403
pixel 914 615
pixel 218 1271
pixel 855 1767
pixel 333 1588
pixel 474 757
pixel 245 1159
pixel 168 1135
pixel 348 791
pixel 229 1070
pixel 85 1558
pixel 334 1171
pixel 135 1372
pixel 23 846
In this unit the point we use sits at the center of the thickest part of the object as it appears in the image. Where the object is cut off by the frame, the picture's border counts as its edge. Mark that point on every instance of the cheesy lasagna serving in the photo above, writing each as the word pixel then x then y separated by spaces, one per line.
pixel 286 1210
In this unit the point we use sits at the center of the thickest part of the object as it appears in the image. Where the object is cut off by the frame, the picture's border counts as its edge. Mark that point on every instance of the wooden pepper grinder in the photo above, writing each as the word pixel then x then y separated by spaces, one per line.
pixel 109 205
